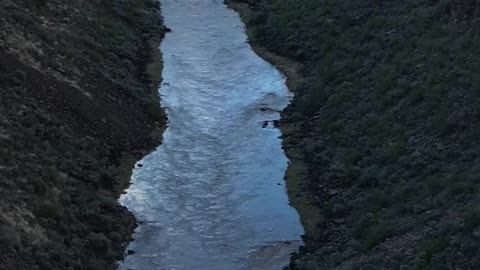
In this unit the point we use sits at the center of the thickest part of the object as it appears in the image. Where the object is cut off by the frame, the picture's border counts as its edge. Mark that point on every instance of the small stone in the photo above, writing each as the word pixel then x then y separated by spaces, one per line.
pixel 340 220
pixel 140 165
pixel 332 192
pixel 476 233
pixel 130 252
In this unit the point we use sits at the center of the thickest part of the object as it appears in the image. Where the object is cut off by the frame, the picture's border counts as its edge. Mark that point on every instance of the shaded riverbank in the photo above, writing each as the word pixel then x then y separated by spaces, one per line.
pixel 296 171
pixel 384 126
pixel 78 105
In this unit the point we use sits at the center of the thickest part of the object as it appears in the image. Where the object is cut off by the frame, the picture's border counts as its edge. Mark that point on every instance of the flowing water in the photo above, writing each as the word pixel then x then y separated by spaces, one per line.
pixel 212 196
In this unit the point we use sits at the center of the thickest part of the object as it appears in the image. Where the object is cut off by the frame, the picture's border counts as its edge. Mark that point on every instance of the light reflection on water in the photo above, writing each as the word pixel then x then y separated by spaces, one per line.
pixel 212 196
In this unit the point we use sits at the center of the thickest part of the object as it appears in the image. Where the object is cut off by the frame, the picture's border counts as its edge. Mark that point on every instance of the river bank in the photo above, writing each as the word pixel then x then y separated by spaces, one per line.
pixel 296 171
pixel 383 128
pixel 79 105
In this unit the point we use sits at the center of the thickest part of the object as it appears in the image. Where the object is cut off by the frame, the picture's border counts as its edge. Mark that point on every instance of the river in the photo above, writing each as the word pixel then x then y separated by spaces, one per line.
pixel 213 195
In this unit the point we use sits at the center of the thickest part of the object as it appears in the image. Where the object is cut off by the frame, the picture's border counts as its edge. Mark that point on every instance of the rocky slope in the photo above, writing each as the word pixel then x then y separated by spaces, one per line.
pixel 384 126
pixel 78 104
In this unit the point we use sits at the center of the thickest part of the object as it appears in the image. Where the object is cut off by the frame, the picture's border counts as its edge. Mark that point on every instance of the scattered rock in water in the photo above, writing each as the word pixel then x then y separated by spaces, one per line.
pixel 130 251
pixel 275 123
pixel 140 165
pixel 265 109
pixel 279 184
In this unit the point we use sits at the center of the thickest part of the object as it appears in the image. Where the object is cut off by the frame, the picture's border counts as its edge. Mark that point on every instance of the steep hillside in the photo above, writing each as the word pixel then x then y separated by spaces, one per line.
pixel 78 104
pixel 385 121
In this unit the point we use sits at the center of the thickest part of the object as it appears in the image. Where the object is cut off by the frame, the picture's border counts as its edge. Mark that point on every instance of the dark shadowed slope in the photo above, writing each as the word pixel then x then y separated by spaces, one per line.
pixel 386 121
pixel 77 105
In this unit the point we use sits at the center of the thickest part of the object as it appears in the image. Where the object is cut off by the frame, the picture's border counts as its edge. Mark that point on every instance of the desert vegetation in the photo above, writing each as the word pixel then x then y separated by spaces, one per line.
pixel 385 125
pixel 78 105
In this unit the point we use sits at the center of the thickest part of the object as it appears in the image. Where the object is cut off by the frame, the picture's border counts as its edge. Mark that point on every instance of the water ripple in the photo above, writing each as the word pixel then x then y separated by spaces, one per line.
pixel 212 196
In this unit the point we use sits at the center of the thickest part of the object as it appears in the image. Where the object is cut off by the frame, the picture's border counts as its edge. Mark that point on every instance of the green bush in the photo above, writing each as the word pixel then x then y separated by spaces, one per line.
pixel 433 246
pixel 472 219
pixel 49 209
